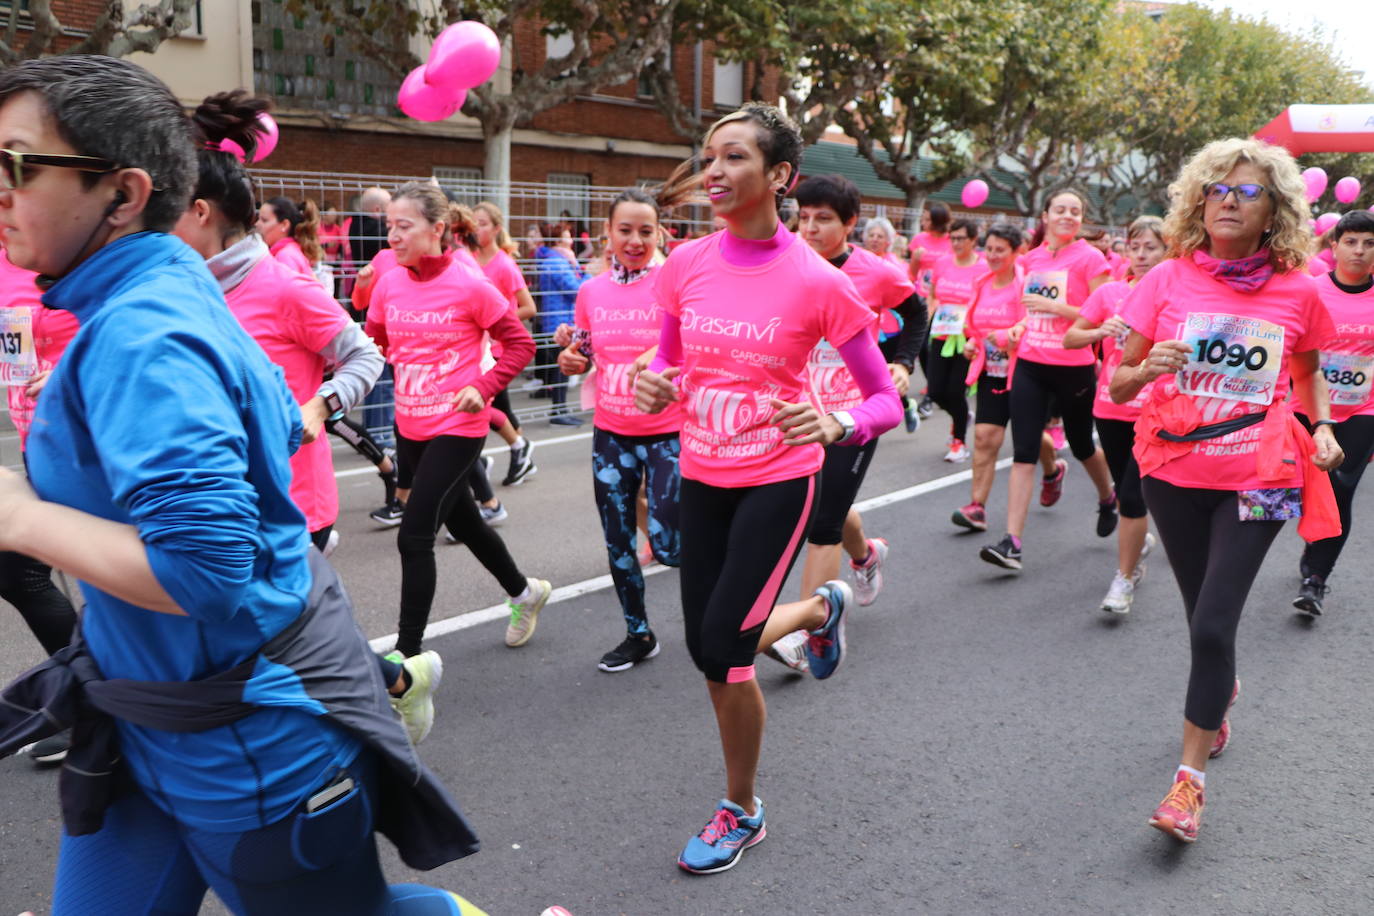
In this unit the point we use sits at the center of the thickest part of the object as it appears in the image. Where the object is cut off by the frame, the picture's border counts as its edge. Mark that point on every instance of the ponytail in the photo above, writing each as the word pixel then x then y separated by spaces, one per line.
pixel 222 179
pixel 307 234
pixel 460 227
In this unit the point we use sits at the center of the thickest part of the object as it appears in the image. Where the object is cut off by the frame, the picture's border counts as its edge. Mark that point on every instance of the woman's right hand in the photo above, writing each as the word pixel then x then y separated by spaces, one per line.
pixel 562 335
pixel 365 276
pixel 654 392
pixel 570 362
pixel 1114 327
pixel 1015 333
pixel 1165 358
pixel 970 348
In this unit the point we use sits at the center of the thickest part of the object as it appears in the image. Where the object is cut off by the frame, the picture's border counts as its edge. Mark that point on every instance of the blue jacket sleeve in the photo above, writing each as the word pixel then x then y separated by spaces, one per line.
pixel 174 451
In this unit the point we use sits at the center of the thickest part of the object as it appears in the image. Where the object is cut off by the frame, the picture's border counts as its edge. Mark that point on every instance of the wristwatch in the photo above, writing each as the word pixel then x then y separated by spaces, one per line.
pixel 846 422
pixel 333 403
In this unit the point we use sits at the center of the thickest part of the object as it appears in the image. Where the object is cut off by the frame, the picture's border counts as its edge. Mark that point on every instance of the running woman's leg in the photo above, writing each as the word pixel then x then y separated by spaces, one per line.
pixel 841 476
pixel 27 584
pixel 1074 388
pixel 662 490
pixel 1356 438
pixel 616 475
pixel 989 431
pixel 947 389
pixel 1118 437
pixel 1029 407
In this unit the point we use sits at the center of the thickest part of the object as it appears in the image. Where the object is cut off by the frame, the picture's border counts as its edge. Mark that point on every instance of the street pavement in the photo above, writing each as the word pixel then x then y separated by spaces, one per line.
pixel 993 743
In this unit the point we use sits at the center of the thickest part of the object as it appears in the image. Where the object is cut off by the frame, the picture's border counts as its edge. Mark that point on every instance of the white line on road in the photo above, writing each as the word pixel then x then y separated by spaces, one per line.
pixel 494 450
pixel 586 586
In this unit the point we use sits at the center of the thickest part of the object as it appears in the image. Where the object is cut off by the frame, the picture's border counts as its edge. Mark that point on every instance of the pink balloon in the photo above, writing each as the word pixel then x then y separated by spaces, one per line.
pixel 974 193
pixel 267 137
pixel 424 102
pixel 1315 179
pixel 464 55
pixel 1347 189
pixel 1326 221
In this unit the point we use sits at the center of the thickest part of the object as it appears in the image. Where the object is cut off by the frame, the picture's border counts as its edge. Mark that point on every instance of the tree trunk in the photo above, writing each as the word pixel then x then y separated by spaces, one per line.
pixel 915 202
pixel 497 167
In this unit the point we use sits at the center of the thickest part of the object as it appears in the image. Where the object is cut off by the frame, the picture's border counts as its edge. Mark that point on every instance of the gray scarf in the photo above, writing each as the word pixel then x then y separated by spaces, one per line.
pixel 234 263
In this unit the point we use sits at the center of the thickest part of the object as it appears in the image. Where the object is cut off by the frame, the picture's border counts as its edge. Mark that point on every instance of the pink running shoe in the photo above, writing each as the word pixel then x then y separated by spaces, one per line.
pixel 973 517
pixel 1051 488
pixel 1223 737
pixel 1180 814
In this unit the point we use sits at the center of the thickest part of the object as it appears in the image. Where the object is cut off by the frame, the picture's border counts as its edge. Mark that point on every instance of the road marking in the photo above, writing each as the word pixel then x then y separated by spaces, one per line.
pixel 494 450
pixel 587 586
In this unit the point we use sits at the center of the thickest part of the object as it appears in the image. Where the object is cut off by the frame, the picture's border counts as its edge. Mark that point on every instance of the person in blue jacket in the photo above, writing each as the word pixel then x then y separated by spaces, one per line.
pixel 560 277
pixel 161 448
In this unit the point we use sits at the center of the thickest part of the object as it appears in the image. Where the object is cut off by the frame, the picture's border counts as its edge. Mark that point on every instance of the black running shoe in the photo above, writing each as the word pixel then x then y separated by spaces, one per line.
pixel 1004 553
pixel 521 464
pixel 629 653
pixel 1106 517
pixel 390 514
pixel 50 751
pixel 1310 595
pixel 925 408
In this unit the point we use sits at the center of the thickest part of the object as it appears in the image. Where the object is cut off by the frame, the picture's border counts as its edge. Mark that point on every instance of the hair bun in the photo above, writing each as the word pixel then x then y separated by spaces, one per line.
pixel 231 118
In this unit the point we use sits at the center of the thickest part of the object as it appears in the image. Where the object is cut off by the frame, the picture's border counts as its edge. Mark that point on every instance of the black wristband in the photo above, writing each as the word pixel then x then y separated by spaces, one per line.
pixel 1316 423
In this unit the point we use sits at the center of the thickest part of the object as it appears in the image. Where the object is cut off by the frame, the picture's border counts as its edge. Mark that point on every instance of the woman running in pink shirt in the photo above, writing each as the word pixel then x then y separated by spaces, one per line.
pixel 1100 323
pixel 744 308
pixel 951 293
pixel 429 315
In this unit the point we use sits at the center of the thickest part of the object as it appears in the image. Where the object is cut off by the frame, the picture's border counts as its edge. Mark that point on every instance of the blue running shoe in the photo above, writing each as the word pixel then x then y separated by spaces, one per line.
pixel 723 840
pixel 825 647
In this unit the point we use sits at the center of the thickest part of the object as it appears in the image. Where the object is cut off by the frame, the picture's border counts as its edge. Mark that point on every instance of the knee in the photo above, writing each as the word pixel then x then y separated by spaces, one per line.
pixel 1213 640
pixel 1131 505
pixel 987 437
pixel 414 543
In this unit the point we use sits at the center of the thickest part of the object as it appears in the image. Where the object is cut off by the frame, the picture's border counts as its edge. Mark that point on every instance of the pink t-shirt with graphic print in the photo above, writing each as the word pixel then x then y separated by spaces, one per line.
pixel 1240 345
pixel 951 294
pixel 624 321
pixel 1058 276
pixel 293 319
pixel 508 280
pixel 433 332
pixel 1348 359
pixel 747 334
pixel 933 248
pixel 995 309
pixel 51 329
pixel 1103 304
pixel 883 287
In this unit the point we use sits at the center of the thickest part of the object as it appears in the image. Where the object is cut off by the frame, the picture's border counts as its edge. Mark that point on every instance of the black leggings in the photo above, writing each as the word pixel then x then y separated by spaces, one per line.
pixel 841 476
pixel 27 584
pixel 1215 557
pixel 1118 437
pixel 502 403
pixel 945 385
pixel 1035 388
pixel 738 545
pixel 1355 435
pixel 439 494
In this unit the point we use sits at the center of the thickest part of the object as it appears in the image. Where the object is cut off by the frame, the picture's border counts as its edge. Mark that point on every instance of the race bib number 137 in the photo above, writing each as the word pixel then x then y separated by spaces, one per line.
pixel 1231 357
pixel 18 363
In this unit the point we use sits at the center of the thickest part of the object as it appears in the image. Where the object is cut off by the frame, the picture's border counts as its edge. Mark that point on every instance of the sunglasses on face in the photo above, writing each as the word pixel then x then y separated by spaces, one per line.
pixel 13 164
pixel 1246 193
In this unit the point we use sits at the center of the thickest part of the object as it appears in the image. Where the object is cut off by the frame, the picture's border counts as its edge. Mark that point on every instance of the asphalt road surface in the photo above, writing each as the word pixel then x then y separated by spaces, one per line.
pixel 993 743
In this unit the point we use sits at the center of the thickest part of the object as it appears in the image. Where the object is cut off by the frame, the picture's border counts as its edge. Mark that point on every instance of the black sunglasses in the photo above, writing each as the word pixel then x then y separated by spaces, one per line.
pixel 1248 193
pixel 12 165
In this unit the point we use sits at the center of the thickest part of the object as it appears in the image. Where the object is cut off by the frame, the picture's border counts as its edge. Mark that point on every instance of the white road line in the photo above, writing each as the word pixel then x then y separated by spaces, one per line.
pixel 586 586
pixel 494 450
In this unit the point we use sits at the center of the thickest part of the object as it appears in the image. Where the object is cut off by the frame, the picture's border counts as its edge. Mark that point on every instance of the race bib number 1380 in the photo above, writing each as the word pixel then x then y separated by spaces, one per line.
pixel 1231 357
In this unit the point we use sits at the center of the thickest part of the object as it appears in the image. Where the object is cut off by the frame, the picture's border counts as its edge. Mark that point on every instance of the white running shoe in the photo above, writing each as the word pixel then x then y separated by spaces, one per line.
pixel 958 452
pixel 1119 595
pixel 332 542
pixel 1147 546
pixel 416 705
pixel 868 576
pixel 790 650
pixel 524 616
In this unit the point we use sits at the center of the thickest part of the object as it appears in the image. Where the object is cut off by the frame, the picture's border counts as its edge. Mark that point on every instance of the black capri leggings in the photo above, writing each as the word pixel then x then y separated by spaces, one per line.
pixel 1355 435
pixel 994 401
pixel 27 584
pixel 1215 557
pixel 440 494
pixel 738 545
pixel 841 476
pixel 1118 437
pixel 945 386
pixel 1038 386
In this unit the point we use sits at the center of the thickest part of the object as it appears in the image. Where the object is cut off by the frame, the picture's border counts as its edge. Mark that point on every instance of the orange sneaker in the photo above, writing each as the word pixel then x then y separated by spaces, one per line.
pixel 1180 814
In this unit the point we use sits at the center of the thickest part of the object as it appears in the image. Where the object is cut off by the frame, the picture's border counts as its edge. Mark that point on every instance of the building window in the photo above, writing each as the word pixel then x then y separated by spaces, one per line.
pixel 568 193
pixel 463 182
pixel 729 84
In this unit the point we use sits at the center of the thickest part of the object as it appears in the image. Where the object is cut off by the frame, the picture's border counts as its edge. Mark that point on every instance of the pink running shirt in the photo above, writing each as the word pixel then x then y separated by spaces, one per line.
pixel 1103 304
pixel 288 251
pixel 293 319
pixel 51 330
pixel 1059 276
pixel 1348 359
pixel 508 280
pixel 882 287
pixel 1177 300
pixel 747 334
pixel 995 310
pixel 624 321
pixel 934 248
pixel 431 332
pixel 951 293
pixel 382 263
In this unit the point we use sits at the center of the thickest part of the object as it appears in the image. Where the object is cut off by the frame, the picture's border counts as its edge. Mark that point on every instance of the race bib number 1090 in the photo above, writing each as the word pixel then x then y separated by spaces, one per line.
pixel 1231 357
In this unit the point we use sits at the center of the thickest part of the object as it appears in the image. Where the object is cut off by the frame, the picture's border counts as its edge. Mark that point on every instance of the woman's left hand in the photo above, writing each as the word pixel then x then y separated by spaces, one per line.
pixel 313 414
pixel 1329 455
pixel 802 424
pixel 15 492
pixel 37 384
pixel 469 400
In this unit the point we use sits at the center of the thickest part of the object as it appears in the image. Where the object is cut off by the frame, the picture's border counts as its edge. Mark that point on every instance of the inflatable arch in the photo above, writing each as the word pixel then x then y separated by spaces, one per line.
pixel 1322 129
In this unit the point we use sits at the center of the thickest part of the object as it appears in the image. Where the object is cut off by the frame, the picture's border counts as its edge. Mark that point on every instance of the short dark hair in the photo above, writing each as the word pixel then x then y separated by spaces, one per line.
pixel 833 191
pixel 116 110
pixel 1008 233
pixel 939 217
pixel 778 137
pixel 1354 221
pixel 969 226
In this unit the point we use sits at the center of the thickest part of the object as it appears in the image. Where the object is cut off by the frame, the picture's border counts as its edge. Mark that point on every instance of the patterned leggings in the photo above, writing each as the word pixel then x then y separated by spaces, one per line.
pixel 619 464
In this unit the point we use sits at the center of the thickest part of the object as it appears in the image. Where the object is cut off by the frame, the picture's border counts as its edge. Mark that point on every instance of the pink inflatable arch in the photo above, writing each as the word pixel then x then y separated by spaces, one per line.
pixel 1322 129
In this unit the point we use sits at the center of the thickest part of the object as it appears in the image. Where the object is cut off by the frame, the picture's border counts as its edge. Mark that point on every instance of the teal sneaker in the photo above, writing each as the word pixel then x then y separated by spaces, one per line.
pixel 825 646
pixel 723 840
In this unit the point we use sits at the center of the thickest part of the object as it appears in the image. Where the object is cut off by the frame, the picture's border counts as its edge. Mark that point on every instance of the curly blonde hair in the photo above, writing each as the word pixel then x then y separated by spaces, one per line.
pixel 1289 241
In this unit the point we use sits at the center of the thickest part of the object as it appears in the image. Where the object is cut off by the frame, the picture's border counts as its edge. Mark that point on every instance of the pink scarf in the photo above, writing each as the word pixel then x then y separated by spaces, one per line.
pixel 1245 275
